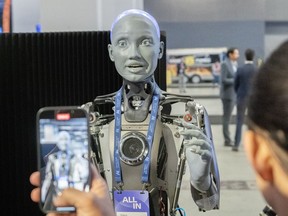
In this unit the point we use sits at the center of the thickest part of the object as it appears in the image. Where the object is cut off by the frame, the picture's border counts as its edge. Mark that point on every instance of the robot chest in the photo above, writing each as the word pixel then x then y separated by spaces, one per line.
pixel 61 166
pixel 134 149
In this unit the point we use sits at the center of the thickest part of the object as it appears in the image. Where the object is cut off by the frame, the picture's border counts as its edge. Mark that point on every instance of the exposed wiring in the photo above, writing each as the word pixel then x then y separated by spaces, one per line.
pixel 181 210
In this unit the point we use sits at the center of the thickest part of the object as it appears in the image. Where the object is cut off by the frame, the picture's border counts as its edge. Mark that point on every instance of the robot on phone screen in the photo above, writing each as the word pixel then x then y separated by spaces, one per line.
pixel 65 167
pixel 141 150
pixel 57 168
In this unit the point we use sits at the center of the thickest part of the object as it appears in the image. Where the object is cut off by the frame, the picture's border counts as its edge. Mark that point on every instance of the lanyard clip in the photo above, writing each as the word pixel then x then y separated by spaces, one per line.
pixel 119 187
pixel 145 186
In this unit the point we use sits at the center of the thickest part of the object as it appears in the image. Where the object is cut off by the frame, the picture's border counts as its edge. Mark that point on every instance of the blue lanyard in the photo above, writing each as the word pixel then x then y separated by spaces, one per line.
pixel 117 137
pixel 150 135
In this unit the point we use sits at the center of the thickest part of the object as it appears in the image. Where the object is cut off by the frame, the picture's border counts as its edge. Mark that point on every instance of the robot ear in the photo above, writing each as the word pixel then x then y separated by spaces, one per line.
pixel 161 49
pixel 110 51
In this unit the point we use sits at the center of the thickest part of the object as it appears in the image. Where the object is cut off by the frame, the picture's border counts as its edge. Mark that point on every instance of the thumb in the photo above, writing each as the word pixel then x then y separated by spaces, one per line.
pixel 72 196
pixel 69 197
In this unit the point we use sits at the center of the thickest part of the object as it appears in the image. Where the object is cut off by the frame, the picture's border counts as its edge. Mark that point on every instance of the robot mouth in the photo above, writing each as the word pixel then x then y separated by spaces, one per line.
pixel 135 66
pixel 135 69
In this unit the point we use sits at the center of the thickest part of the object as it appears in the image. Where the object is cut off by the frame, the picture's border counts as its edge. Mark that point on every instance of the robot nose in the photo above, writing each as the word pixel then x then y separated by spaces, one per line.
pixel 133 51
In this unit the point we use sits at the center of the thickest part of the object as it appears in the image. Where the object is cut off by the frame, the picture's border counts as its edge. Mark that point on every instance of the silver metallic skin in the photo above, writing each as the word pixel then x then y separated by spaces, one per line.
pixel 167 154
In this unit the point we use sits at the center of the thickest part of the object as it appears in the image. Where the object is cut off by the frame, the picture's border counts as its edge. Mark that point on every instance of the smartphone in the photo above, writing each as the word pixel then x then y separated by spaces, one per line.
pixel 63 142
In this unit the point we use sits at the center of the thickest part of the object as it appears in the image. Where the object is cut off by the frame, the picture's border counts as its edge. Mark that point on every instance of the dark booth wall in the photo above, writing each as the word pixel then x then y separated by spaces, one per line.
pixel 46 69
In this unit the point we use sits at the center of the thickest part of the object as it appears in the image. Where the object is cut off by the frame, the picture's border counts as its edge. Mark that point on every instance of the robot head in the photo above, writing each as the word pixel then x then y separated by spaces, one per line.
pixel 135 45
pixel 63 140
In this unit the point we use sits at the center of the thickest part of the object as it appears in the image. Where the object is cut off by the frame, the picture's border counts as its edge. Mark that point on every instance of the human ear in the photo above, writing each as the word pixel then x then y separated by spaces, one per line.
pixel 259 155
pixel 110 51
pixel 161 49
pixel 249 146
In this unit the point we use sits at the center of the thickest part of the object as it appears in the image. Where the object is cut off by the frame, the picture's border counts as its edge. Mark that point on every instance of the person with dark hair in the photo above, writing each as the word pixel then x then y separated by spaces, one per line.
pixel 242 83
pixel 266 140
pixel 227 93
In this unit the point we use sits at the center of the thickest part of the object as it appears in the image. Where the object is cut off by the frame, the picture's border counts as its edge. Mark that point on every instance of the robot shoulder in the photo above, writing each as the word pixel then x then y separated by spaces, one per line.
pixel 93 106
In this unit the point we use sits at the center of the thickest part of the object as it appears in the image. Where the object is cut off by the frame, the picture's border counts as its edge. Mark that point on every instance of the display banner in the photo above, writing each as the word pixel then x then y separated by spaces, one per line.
pixel 195 64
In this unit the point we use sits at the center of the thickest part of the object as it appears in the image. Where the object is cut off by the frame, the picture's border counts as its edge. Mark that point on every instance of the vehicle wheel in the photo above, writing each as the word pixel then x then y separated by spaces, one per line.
pixel 196 79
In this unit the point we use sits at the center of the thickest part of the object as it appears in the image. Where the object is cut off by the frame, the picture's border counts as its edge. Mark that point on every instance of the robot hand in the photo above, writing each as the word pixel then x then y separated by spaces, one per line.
pixel 198 149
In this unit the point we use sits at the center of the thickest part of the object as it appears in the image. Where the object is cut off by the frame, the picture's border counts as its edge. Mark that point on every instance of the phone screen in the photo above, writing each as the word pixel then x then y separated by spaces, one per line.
pixel 63 149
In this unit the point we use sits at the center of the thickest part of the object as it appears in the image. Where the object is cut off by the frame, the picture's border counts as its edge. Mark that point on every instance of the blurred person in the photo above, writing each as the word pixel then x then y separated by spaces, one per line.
pixel 181 74
pixel 266 140
pixel 227 93
pixel 96 202
pixel 216 71
pixel 242 84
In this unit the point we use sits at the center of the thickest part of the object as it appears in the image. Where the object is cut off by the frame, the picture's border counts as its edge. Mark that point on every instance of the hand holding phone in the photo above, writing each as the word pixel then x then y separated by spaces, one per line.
pixel 63 153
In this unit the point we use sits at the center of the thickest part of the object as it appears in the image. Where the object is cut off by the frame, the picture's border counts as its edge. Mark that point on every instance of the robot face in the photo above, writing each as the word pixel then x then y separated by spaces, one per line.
pixel 63 140
pixel 135 48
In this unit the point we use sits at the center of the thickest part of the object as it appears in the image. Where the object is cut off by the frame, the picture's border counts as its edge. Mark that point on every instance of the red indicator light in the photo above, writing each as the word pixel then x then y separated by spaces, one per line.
pixel 62 116
pixel 187 117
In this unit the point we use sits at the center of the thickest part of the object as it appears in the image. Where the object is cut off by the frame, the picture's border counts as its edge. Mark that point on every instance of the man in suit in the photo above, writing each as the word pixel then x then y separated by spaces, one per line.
pixel 242 84
pixel 227 93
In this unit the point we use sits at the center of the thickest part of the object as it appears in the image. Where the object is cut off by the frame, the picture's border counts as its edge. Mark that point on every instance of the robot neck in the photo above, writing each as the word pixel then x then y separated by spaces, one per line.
pixel 137 99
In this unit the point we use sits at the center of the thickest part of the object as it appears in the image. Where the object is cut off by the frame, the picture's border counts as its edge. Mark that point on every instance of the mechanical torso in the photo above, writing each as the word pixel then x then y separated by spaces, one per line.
pixel 133 147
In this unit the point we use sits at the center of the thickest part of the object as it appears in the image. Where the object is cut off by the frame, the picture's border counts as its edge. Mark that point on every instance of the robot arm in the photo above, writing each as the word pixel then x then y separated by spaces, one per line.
pixel 197 151
pixel 201 159
pixel 47 180
pixel 98 117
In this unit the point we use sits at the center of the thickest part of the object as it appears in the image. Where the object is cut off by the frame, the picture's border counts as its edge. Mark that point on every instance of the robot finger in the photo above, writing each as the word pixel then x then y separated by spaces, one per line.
pixel 195 149
pixel 205 155
pixel 189 133
pixel 189 125
pixel 202 144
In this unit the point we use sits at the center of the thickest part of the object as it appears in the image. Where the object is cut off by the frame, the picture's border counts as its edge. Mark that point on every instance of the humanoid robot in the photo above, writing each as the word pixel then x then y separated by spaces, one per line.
pixel 66 167
pixel 78 174
pixel 57 168
pixel 141 150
